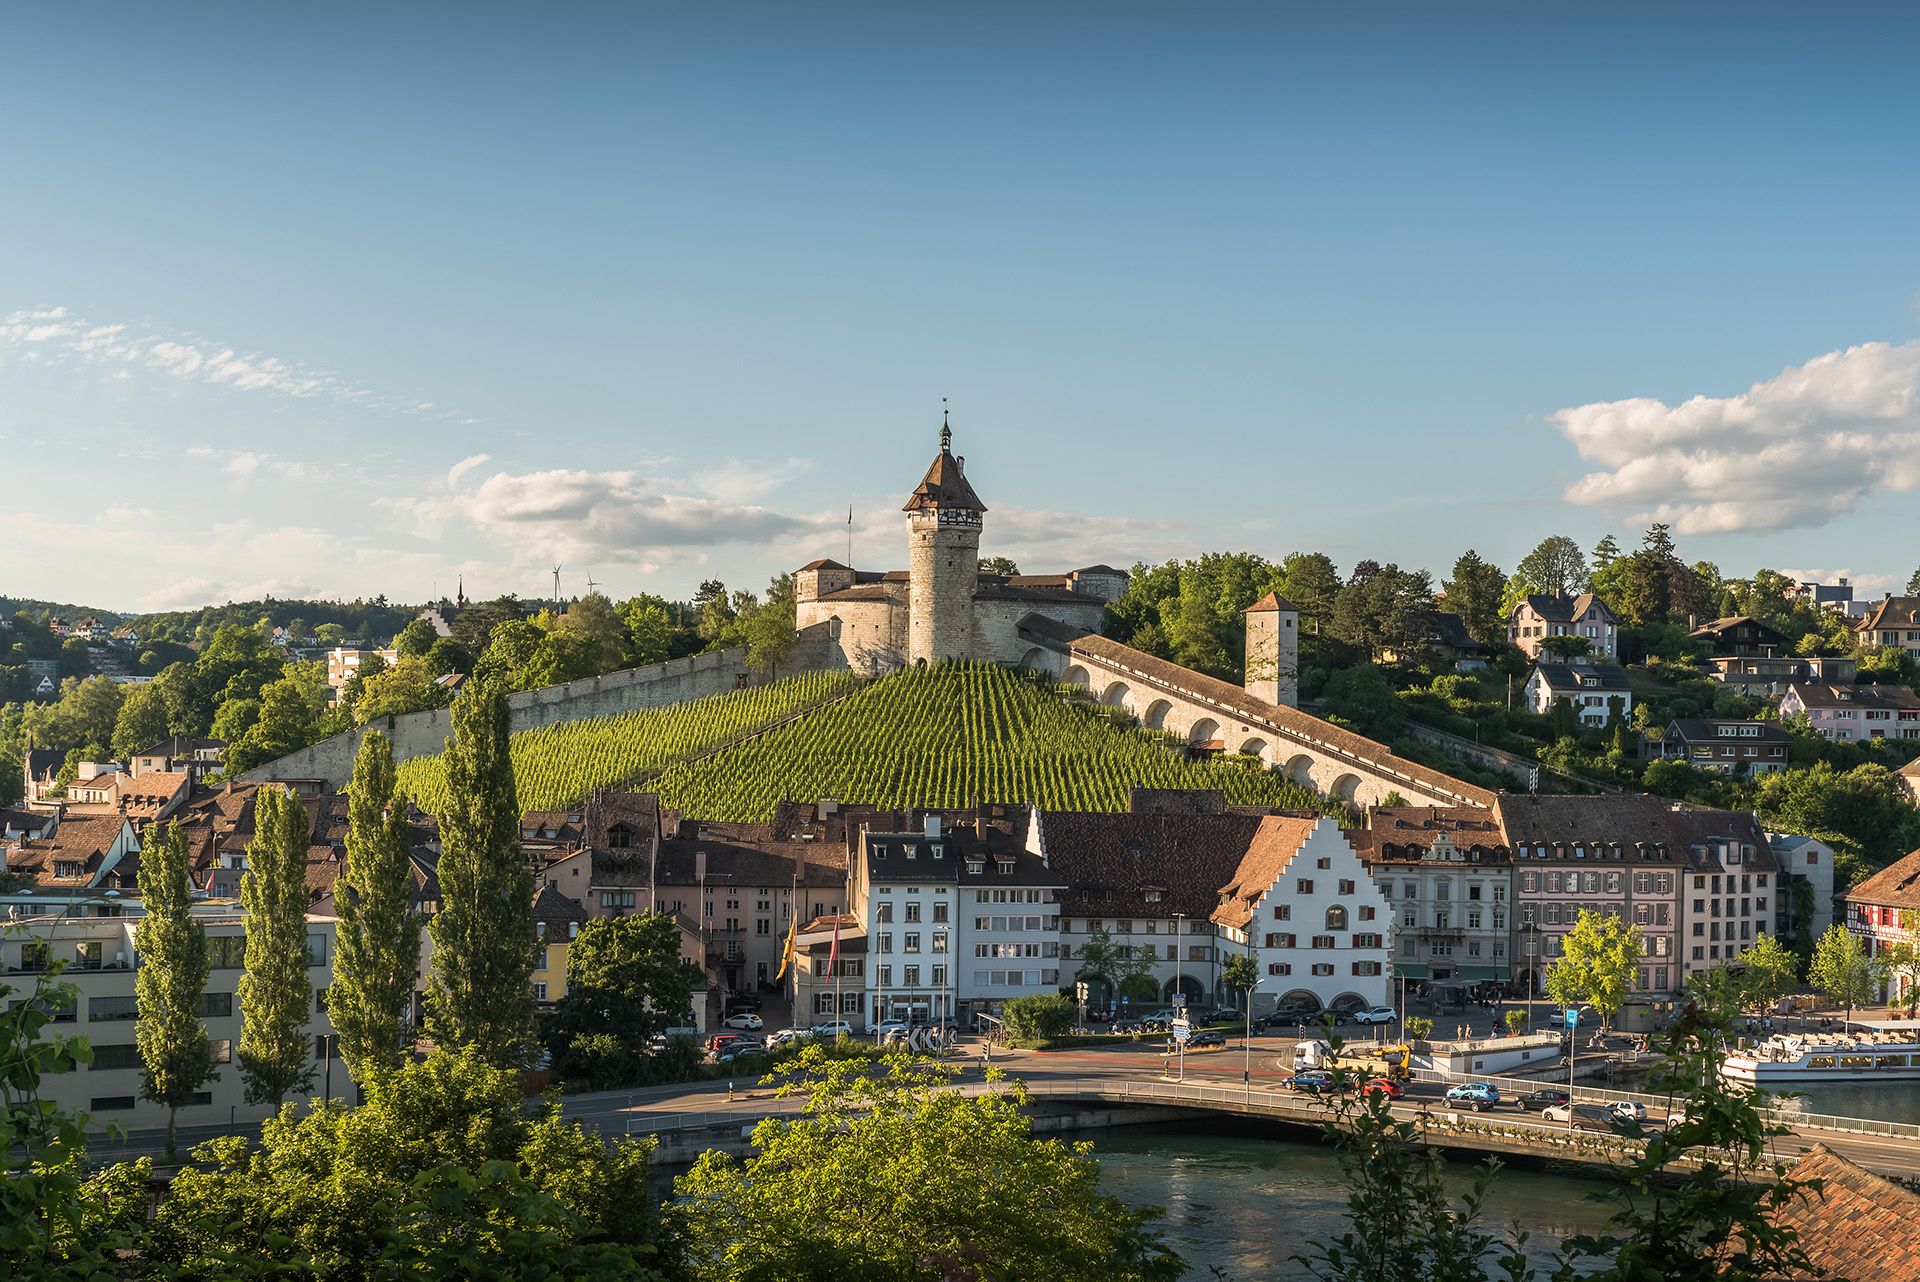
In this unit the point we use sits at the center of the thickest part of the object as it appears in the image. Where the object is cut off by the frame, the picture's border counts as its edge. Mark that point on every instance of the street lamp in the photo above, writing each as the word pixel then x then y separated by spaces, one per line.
pixel 1246 1059
pixel 1179 993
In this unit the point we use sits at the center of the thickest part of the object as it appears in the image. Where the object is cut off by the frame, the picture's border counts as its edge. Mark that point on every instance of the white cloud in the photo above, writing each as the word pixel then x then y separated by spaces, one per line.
pixel 612 516
pixel 1792 451
pixel 117 349
pixel 743 481
pixel 464 466
pixel 252 463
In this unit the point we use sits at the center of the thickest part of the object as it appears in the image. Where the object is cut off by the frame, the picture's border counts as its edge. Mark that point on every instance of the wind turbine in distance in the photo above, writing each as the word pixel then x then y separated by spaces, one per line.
pixel 556 583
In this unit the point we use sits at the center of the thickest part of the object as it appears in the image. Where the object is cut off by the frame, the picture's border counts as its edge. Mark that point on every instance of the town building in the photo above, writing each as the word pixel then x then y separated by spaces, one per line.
pixel 1597 692
pixel 1767 677
pixel 1893 622
pixel 1538 616
pixel 941 606
pixel 1884 910
pixel 1303 906
pixel 1147 881
pixel 1837 596
pixel 101 960
pixel 1449 878
pixel 1854 713
pixel 79 852
pixel 197 757
pixel 1732 747
pixel 556 924
pixel 343 663
pixel 1802 912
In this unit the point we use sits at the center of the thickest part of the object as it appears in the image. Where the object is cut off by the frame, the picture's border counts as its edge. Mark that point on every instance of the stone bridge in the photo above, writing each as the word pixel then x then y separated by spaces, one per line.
pixel 1204 710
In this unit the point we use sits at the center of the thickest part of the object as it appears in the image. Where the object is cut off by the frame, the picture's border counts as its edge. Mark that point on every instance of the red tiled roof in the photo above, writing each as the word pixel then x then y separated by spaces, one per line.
pixel 1111 862
pixel 1272 603
pixel 1895 886
pixel 944 487
pixel 1275 842
pixel 1856 1224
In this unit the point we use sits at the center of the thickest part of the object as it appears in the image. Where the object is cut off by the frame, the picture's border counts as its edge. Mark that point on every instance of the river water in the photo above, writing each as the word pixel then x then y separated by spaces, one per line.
pixel 1247 1206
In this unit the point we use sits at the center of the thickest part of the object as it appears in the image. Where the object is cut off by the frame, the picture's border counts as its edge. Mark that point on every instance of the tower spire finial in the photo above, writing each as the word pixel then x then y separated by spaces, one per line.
pixel 946 431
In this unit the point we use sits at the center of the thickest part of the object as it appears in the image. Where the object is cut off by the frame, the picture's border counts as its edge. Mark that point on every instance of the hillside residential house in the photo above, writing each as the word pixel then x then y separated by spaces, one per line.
pixel 1767 677
pixel 1596 691
pixel 1894 621
pixel 81 852
pixel 1537 616
pixel 1448 641
pixel 1741 634
pixel 1854 713
pixel 1728 747
pixel 343 663
pixel 1449 876
pixel 1884 910
pixel 1909 780
pixel 556 923
pixel 1303 905
pixel 1837 596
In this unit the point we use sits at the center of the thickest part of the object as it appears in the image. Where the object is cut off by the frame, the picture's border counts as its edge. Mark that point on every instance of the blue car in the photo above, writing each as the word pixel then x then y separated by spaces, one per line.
pixel 1474 1095
pixel 1313 1082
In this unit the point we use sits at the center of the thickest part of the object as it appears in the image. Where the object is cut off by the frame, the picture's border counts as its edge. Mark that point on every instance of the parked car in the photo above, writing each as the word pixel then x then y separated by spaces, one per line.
pixel 739 1050
pixel 720 1041
pixel 1221 1015
pixel 1474 1095
pixel 746 1020
pixel 1628 1111
pixel 1314 1082
pixel 1202 1040
pixel 786 1036
pixel 1584 1117
pixel 1382 1086
pixel 1375 1015
pixel 887 1026
pixel 1535 1101
pixel 1345 1006
pixel 833 1028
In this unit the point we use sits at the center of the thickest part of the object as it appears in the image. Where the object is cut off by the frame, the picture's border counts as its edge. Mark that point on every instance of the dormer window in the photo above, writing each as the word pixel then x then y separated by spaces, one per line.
pixel 939 851
pixel 1155 896
pixel 975 867
pixel 1006 867
pixel 620 837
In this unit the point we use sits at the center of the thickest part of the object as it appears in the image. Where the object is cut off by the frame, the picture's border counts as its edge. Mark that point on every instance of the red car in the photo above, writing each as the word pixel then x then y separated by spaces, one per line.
pixel 1382 1086
pixel 720 1041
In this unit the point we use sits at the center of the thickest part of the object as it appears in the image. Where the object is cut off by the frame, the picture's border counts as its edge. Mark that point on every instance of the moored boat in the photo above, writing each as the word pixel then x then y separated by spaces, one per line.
pixel 1814 1057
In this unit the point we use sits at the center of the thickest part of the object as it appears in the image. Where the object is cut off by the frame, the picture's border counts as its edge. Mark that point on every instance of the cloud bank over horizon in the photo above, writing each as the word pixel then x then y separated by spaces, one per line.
pixel 1791 452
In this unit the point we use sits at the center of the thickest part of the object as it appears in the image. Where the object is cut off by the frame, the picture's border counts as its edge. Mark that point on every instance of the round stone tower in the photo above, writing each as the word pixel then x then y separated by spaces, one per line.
pixel 943 563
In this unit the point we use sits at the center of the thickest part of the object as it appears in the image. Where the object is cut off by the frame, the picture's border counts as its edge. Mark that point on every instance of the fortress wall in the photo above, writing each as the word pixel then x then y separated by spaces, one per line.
pixel 418 734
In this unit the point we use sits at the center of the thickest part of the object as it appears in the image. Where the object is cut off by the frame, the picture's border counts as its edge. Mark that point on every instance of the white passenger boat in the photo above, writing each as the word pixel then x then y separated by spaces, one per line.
pixel 1827 1057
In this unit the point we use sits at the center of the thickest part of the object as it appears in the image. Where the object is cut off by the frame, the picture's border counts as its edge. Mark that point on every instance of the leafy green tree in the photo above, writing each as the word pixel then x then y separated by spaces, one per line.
pixel 1382 608
pixel 377 947
pixel 329 634
pixel 1605 552
pixel 1566 647
pixel 1771 972
pixel 626 981
pixel 289 718
pixel 1363 697
pixel 1897 965
pixel 1913 584
pixel 481 990
pixel 142 720
pixel 1840 969
pixel 1556 567
pixel 898 1176
pixel 1474 593
pixel 1514 1019
pixel 415 640
pixel 1310 581
pixel 1101 958
pixel 1029 1019
pixel 448 655
pixel 1601 959
pixel 650 629
pixel 172 947
pixel 593 622
pixel 998 565
pixel 440 1174
pixel 275 993
pixel 1239 974
pixel 402 687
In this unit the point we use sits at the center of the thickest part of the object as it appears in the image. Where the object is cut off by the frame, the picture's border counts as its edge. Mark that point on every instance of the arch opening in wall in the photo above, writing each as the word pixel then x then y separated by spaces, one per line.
pixel 1188 984
pixel 1348 1000
pixel 1345 787
pixel 1304 1000
pixel 1037 659
pixel 1115 695
pixel 1204 733
pixel 1156 718
pixel 1254 747
pixel 1077 675
pixel 1300 770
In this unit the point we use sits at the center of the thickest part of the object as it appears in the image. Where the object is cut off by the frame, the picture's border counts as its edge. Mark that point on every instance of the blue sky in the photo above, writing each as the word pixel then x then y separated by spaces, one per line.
pixel 1379 282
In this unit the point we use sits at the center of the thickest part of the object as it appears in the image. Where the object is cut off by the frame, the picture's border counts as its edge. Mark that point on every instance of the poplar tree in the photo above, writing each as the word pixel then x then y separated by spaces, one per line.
pixel 275 993
pixel 377 949
pixel 482 991
pixel 171 982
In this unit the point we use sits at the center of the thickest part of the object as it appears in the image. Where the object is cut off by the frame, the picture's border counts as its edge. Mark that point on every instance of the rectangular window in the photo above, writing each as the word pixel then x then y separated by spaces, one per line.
pixel 226 952
pixel 110 1103
pixel 1346 887
pixel 886 977
pixel 1366 912
pixel 912 974
pixel 939 976
pixel 1304 885
pixel 100 1010
pixel 123 1055
pixel 1283 912
pixel 1323 941
pixel 216 1005
pixel 912 942
pixel 913 910
pixel 1323 968
pixel 539 990
pixel 1279 968
pixel 940 911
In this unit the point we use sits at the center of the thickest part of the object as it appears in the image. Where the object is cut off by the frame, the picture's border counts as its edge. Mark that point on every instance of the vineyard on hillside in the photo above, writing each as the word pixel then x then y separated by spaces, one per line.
pixel 558 765
pixel 946 735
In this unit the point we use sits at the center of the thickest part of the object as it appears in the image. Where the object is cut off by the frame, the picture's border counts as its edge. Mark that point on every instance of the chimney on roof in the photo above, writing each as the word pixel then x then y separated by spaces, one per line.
pixel 932 827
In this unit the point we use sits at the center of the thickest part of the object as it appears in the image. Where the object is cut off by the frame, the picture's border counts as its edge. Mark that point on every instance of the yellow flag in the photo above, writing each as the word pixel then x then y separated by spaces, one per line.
pixel 786 958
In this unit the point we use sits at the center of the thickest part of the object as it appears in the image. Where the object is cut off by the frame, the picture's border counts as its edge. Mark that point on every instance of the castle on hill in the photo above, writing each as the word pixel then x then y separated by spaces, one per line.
pixel 941 606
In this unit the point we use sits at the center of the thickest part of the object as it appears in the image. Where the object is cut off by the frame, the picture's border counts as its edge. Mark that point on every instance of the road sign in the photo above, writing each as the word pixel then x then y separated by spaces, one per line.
pixel 1573 1018
pixel 1182 1030
pixel 1179 1001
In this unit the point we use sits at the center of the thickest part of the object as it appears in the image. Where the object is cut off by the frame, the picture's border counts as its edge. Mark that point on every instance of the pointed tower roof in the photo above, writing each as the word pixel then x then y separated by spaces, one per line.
pixel 1271 603
pixel 944 486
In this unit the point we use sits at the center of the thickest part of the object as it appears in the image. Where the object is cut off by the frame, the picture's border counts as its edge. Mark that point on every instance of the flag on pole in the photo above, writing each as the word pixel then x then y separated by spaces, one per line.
pixel 786 958
pixel 833 953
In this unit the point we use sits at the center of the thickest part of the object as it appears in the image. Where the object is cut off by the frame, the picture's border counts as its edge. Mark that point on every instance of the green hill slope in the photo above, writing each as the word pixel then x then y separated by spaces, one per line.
pixel 945 735
pixel 558 765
